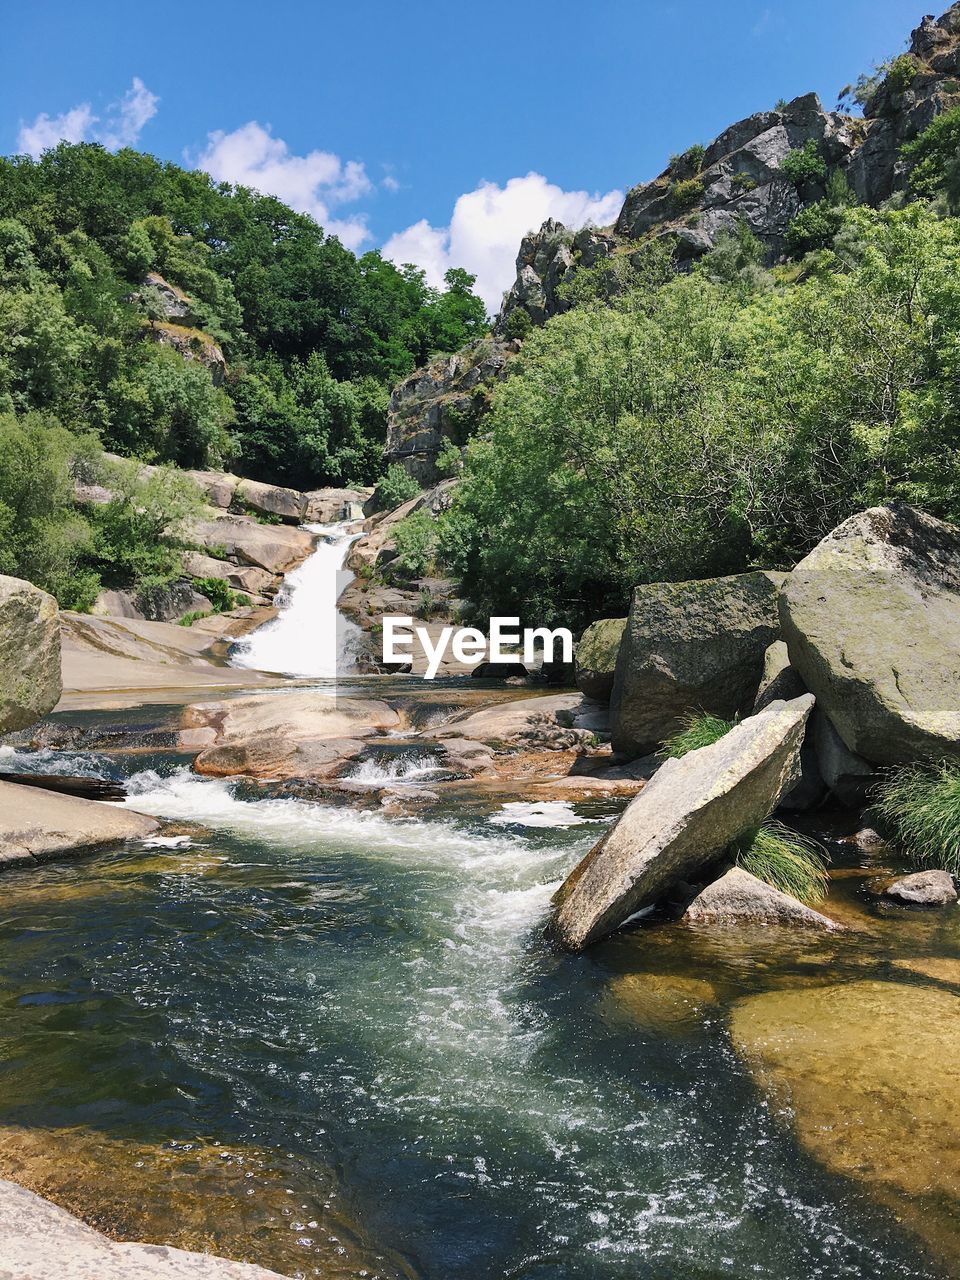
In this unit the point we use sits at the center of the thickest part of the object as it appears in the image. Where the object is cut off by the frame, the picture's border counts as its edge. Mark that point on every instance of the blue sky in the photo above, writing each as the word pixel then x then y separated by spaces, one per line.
pixel 415 125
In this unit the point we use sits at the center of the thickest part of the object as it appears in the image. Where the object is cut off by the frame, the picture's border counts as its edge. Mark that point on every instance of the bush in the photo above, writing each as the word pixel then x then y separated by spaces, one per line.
pixel 934 157
pixel 518 323
pixel 449 459
pixel 900 73
pixel 698 730
pixel 218 593
pixel 786 860
pixel 416 539
pixel 683 196
pixel 804 164
pixel 395 487
pixel 921 803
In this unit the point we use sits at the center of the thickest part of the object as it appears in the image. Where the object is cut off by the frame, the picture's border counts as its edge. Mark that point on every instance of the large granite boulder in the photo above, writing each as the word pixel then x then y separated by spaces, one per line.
pixel 596 657
pixel 690 811
pixel 871 618
pixel 29 653
pixel 924 889
pixel 738 897
pixel 691 646
pixel 36 825
pixel 327 506
pixel 275 548
pixel 271 500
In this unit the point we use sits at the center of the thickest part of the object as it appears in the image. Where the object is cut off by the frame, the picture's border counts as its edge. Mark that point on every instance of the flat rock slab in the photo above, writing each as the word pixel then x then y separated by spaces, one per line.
pixel 276 548
pixel 690 811
pixel 36 825
pixel 41 1241
pixel 924 889
pixel 507 721
pixel 739 897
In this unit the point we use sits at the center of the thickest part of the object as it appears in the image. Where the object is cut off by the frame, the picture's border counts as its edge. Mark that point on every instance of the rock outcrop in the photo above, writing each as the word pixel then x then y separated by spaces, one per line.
pixel 691 810
pixel 872 621
pixel 738 897
pixel 276 548
pixel 924 889
pixel 596 658
pixel 37 825
pixel 690 646
pixel 29 653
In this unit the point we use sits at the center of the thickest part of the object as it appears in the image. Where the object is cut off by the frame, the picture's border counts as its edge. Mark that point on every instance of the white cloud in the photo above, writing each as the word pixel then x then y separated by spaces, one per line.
pixel 314 183
pixel 487 226
pixel 120 127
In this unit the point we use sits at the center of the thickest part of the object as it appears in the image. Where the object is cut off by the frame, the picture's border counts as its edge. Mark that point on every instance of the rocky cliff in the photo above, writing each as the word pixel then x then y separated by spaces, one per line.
pixel 740 178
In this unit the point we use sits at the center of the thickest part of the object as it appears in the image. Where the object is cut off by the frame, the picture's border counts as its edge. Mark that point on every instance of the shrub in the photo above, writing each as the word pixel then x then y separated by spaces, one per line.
pixel 900 73
pixel 691 160
pixel 743 182
pixel 683 195
pixel 804 164
pixel 449 460
pixel 218 593
pixel 416 539
pixel 813 228
pixel 786 860
pixel 698 730
pixel 518 323
pixel 395 487
pixel 933 155
pixel 921 803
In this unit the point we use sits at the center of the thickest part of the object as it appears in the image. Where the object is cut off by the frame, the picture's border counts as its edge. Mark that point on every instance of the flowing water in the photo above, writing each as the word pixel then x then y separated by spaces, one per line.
pixel 349 1036
pixel 309 637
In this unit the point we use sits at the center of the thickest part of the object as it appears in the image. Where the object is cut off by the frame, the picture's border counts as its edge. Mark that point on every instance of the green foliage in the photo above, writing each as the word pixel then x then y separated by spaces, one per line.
pixel 743 182
pixel 691 160
pixel 518 323
pixel 684 195
pixel 900 73
pixel 699 729
pixel 896 74
pixel 449 459
pixel 935 159
pixel 395 487
pixel 816 226
pixel 804 164
pixel 218 593
pixel 786 860
pixel 416 539
pixel 647 267
pixel 921 802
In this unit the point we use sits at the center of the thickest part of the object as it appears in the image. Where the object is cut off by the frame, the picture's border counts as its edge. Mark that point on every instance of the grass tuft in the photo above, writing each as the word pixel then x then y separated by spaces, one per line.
pixel 697 730
pixel 786 860
pixel 921 802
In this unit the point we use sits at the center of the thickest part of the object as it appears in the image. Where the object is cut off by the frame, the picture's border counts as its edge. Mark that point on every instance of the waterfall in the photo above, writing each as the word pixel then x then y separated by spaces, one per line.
pixel 308 637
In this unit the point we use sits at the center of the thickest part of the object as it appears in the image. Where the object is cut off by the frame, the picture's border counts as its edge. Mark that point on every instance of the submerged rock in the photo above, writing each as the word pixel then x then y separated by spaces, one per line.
pixel 656 1000
pixel 869 1074
pixel 872 621
pixel 924 889
pixel 690 811
pixel 596 657
pixel 29 654
pixel 690 646
pixel 739 896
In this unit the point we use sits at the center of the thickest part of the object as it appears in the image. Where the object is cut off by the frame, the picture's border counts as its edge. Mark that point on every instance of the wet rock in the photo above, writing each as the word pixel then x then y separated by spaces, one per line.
pixel 690 646
pixel 939 968
pixel 739 896
pixel 30 684
pixel 689 812
pixel 272 755
pixel 37 825
pixel 868 1074
pixel 924 889
pixel 464 754
pixel 275 548
pixel 661 1002
pixel 872 621
pixel 596 658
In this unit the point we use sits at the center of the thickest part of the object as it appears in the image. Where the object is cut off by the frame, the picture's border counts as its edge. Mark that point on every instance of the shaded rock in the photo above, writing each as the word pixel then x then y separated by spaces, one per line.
pixel 739 896
pixel 165 602
pixel 41 1241
pixel 847 776
pixel 868 1074
pixel 275 548
pixel 29 653
pixel 36 825
pixel 271 499
pixel 241 577
pixel 690 811
pixel 924 888
pixel 596 657
pixel 872 621
pixel 780 681
pixel 690 646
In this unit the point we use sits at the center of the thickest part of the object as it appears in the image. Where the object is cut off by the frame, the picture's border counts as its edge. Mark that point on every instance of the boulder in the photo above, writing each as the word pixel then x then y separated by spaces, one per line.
pixel 29 653
pixel 272 755
pixel 165 602
pixel 328 506
pixel 780 681
pixel 170 299
pixel 36 825
pixel 242 577
pixel 739 897
pixel 524 719
pixel 596 657
pixel 924 889
pixel 218 486
pixel 690 646
pixel 846 775
pixel 275 548
pixel 41 1241
pixel 690 811
pixel 271 500
pixel 871 618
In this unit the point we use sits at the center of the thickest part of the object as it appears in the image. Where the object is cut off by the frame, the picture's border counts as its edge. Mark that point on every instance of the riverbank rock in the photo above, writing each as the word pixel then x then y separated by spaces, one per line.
pixel 739 896
pixel 36 825
pixel 924 889
pixel 29 653
pixel 327 506
pixel 596 658
pixel 690 646
pixel 872 621
pixel 868 1074
pixel 276 548
pixel 539 720
pixel 846 775
pixel 779 681
pixel 689 812
pixel 271 500
pixel 41 1241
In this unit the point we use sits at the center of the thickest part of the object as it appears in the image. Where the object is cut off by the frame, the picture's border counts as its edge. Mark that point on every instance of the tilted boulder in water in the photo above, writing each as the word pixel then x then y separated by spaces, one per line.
pixel 30 682
pixel 690 811
pixel 691 646
pixel 872 621
pixel 596 657
pixel 924 889
pixel 739 896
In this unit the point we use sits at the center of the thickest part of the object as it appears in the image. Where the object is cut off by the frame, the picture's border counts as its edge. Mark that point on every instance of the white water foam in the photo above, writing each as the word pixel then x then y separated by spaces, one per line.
pixel 406 769
pixel 558 814
pixel 309 638
pixel 76 764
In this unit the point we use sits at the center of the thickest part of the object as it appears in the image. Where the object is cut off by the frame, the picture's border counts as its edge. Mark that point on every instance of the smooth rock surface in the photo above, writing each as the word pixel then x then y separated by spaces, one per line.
pixel 29 653
pixel 690 811
pixel 872 621
pixel 276 548
pixel 845 774
pixel 271 499
pixel 690 647
pixel 41 1241
pixel 36 825
pixel 739 896
pixel 924 889
pixel 510 721
pixel 596 657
